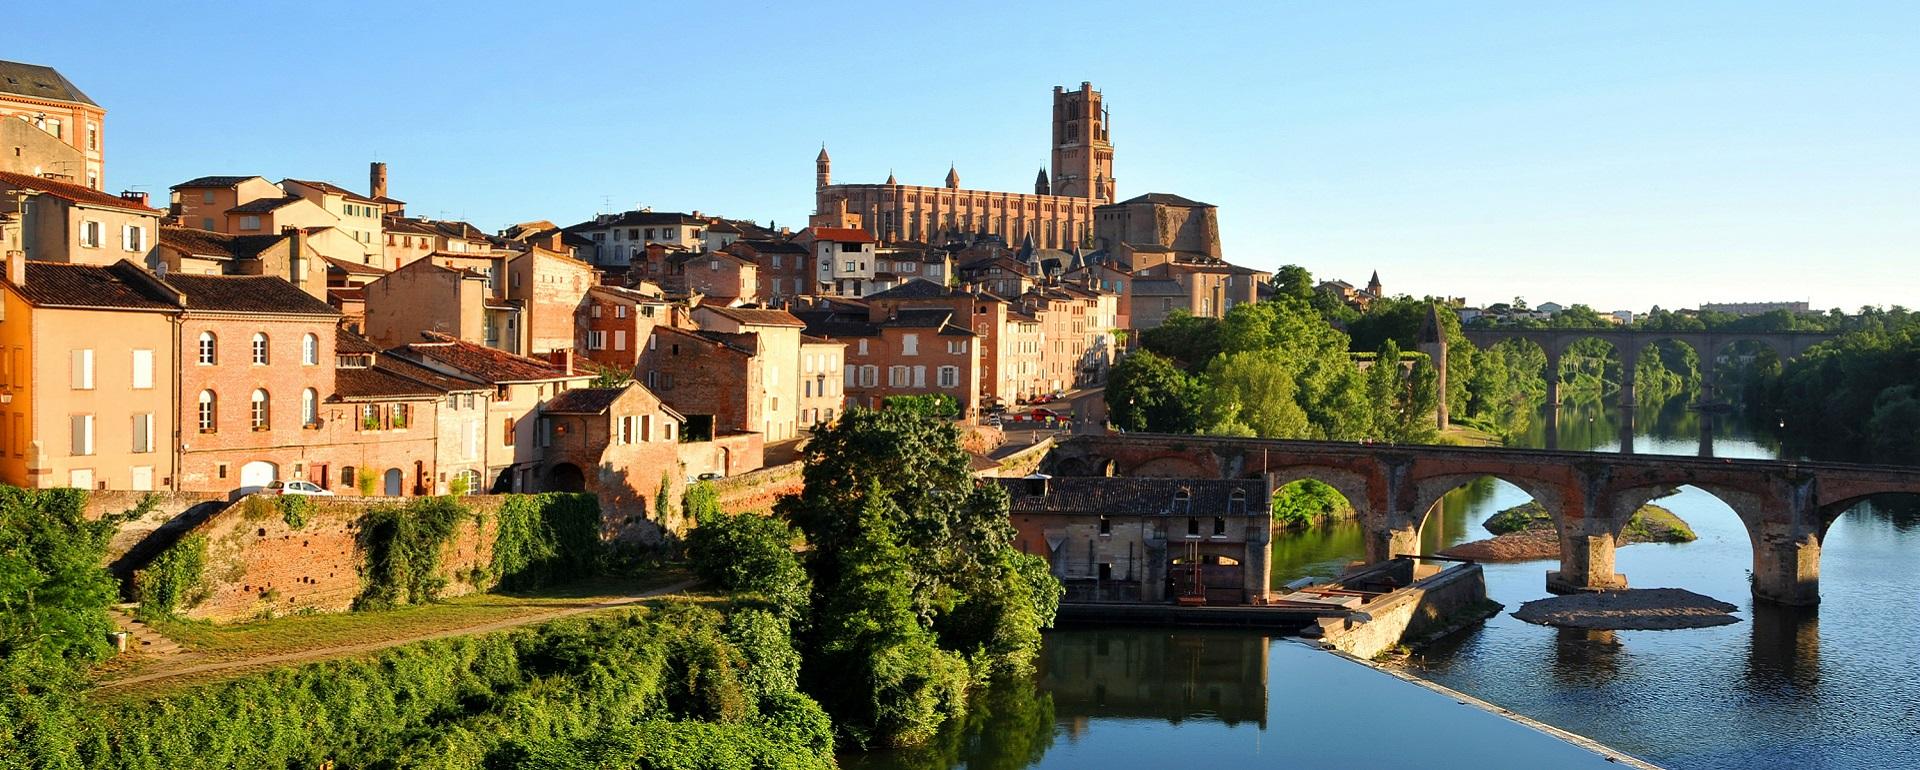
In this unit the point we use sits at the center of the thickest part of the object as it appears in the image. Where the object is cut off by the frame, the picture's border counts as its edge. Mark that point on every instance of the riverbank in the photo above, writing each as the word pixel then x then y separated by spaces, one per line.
pixel 1526 533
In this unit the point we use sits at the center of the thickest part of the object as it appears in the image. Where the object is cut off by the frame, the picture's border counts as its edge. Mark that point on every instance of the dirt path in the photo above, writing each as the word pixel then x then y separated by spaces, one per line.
pixel 322 653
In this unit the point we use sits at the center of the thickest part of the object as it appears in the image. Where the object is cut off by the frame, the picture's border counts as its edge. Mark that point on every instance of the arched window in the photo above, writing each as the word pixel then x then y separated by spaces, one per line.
pixel 260 348
pixel 261 409
pixel 310 349
pixel 209 349
pixel 209 409
pixel 309 407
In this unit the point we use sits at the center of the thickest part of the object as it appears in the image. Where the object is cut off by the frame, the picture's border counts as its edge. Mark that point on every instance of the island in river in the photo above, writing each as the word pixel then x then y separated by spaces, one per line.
pixel 1525 532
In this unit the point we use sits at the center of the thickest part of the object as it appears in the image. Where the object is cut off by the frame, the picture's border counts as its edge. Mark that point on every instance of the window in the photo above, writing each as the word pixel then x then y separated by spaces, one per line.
pixel 309 407
pixel 207 349
pixel 143 370
pixel 949 376
pixel 1219 526
pixel 261 409
pixel 957 347
pixel 596 340
pixel 82 434
pixel 83 369
pixel 399 416
pixel 310 349
pixel 849 267
pixel 134 238
pixel 250 222
pixel 1193 527
pixel 206 223
pixel 909 344
pixel 1106 525
pixel 208 402
pixel 260 348
pixel 863 347
pixel 143 433
pixel 90 234
pixel 593 310
pixel 506 433
pixel 869 376
pixel 346 475
pixel 93 135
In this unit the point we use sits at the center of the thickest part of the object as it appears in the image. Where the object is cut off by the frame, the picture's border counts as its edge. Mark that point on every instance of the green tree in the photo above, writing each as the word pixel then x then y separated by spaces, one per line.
pixel 751 554
pixel 1146 392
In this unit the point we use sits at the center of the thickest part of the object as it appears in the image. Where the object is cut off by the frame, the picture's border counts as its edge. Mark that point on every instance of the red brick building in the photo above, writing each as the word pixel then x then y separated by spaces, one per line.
pixel 256 363
pixel 614 322
pixel 783 268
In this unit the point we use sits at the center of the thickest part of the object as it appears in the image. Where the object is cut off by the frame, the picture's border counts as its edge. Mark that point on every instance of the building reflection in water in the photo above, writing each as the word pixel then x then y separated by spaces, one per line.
pixel 1175 676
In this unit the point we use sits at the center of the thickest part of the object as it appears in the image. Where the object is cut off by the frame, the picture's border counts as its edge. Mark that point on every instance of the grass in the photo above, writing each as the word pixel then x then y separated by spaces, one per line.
pixel 1650 524
pixel 1458 434
pixel 203 643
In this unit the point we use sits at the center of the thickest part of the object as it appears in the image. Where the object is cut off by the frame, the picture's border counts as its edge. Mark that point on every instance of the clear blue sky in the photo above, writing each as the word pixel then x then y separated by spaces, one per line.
pixel 1617 154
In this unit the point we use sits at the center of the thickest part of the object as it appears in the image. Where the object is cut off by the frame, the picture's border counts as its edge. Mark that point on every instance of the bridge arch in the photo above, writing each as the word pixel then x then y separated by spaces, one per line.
pixel 1172 465
pixel 1351 485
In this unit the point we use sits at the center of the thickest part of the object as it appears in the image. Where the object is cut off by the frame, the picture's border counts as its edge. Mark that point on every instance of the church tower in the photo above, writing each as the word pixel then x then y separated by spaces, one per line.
pixel 1082 153
pixel 822 168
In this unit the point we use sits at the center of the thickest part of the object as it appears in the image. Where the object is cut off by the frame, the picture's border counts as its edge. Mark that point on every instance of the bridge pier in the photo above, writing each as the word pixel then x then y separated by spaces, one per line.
pixel 1706 434
pixel 1586 564
pixel 1384 543
pixel 1786 569
pixel 1629 362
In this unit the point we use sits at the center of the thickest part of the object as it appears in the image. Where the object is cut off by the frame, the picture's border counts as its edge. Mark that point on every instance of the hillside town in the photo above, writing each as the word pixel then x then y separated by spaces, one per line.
pixel 274 329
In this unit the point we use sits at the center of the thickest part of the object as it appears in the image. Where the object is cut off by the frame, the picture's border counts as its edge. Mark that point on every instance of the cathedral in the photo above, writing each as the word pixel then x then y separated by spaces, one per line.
pixel 1057 215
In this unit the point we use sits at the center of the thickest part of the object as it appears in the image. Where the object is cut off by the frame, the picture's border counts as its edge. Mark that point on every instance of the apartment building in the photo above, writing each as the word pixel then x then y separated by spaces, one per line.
pixel 68 222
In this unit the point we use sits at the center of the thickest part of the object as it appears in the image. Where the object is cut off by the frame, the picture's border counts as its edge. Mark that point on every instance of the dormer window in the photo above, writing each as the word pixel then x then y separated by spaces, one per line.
pixel 1182 501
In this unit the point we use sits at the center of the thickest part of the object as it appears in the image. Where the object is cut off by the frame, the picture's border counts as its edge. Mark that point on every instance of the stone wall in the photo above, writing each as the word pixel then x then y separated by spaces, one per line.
pixel 138 540
pixel 1426 606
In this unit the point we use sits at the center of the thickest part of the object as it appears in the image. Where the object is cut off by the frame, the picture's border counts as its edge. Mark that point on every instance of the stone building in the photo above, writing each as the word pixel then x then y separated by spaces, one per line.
pixel 777 345
pixel 40 98
pixel 1058 214
pixel 1157 223
pixel 67 222
pixel 521 386
pixel 203 252
pixel 782 266
pixel 1148 540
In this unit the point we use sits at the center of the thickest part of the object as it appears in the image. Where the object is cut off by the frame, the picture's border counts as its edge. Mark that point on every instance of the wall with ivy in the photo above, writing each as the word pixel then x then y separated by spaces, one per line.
pixel 265 556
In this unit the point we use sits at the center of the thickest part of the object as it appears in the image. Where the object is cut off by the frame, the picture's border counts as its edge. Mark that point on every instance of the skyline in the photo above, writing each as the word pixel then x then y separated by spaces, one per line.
pixel 1666 157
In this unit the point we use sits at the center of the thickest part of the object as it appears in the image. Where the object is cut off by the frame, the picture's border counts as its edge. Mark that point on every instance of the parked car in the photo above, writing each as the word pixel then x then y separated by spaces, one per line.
pixel 711 476
pixel 1042 413
pixel 296 488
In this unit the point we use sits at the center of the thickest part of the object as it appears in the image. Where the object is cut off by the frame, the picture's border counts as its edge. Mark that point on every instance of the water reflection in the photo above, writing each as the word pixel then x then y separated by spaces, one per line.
pixel 1783 658
pixel 1216 676
pixel 1585 657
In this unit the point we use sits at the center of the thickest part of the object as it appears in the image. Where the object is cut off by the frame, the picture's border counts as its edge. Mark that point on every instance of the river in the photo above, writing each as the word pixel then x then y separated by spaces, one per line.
pixel 1835 687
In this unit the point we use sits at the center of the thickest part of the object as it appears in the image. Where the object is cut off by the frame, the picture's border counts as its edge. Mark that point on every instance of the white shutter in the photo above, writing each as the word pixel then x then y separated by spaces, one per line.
pixel 82 426
pixel 919 376
pixel 619 339
pixel 143 432
pixel 142 369
pixel 83 369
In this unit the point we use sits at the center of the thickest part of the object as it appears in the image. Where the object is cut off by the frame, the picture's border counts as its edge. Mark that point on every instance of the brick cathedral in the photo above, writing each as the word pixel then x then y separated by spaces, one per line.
pixel 1057 215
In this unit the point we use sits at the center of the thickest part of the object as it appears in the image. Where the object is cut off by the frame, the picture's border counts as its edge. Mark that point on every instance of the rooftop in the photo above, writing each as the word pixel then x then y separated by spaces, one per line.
pixel 478 361
pixel 755 316
pixel 584 401
pixel 247 294
pixel 213 181
pixel 69 191
pixel 40 82
pixel 206 243
pixel 1115 496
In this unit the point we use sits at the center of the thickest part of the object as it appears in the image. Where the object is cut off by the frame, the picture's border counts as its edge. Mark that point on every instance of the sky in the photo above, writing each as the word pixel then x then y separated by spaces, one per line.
pixel 1621 154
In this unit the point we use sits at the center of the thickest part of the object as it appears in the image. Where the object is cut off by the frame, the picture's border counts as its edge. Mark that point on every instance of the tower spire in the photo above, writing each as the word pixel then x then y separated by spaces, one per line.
pixel 822 168
pixel 953 177
pixel 1040 184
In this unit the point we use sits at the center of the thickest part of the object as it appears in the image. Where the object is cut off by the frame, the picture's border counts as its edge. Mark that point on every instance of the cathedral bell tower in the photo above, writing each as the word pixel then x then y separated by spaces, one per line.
pixel 1082 152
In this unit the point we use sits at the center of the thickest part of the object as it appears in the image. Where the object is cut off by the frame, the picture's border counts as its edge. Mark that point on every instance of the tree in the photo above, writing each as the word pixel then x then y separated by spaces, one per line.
pixel 1184 338
pixel 751 554
pixel 1254 393
pixel 1146 392
pixel 916 585
pixel 1293 281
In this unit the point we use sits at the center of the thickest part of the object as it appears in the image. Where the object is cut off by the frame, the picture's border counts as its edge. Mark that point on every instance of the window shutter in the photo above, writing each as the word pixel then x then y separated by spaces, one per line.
pixel 143 432
pixel 82 434
pixel 143 369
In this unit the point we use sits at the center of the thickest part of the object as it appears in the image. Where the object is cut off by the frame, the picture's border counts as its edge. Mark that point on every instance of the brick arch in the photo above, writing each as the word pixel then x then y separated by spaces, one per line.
pixel 1171 466
pixel 1747 505
pixel 1428 490
pixel 1830 512
pixel 1352 485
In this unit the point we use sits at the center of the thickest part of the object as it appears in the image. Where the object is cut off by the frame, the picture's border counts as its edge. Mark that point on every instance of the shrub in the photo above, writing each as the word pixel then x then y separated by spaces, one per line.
pixel 174 580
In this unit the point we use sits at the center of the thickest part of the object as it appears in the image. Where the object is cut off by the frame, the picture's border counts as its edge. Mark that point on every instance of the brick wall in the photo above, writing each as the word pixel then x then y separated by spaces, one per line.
pixel 756 492
pixel 259 565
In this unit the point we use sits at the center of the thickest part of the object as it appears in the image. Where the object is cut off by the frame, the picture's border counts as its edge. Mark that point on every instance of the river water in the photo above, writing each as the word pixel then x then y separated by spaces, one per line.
pixel 1833 687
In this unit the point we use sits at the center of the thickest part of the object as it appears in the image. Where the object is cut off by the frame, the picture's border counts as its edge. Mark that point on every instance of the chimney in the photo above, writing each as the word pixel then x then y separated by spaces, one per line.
pixel 17 268
pixel 563 359
pixel 135 196
pixel 296 254
pixel 377 180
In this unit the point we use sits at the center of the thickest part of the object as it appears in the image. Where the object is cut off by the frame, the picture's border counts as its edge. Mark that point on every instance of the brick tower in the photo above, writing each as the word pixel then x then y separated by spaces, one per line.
pixel 1082 154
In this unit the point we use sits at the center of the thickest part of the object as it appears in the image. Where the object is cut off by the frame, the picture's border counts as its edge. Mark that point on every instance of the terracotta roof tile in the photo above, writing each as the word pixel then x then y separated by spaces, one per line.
pixel 840 234
pixel 756 316
pixel 247 294
pixel 121 286
pixel 71 192
pixel 265 205
pixel 584 401
pixel 206 243
pixel 479 361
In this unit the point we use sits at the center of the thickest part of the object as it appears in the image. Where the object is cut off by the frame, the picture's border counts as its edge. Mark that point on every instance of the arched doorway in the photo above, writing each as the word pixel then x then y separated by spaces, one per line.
pixel 256 475
pixel 395 482
pixel 566 477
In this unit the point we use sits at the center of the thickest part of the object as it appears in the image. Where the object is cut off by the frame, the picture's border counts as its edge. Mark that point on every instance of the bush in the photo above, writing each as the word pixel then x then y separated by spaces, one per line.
pixel 402 546
pixel 174 580
pixel 751 554
pixel 546 539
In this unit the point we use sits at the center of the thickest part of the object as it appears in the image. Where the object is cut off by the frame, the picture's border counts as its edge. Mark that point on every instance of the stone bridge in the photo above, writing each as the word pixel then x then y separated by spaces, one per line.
pixel 1627 344
pixel 1786 506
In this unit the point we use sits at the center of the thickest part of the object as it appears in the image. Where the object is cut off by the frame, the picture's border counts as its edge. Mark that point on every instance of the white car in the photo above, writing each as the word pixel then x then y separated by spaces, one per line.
pixel 295 488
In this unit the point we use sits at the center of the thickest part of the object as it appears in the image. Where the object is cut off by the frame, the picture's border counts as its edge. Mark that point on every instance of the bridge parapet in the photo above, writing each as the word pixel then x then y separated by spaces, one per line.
pixel 1785 506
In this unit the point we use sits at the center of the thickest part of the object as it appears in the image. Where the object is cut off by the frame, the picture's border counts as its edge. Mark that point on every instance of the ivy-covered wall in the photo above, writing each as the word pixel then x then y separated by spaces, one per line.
pixel 266 556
